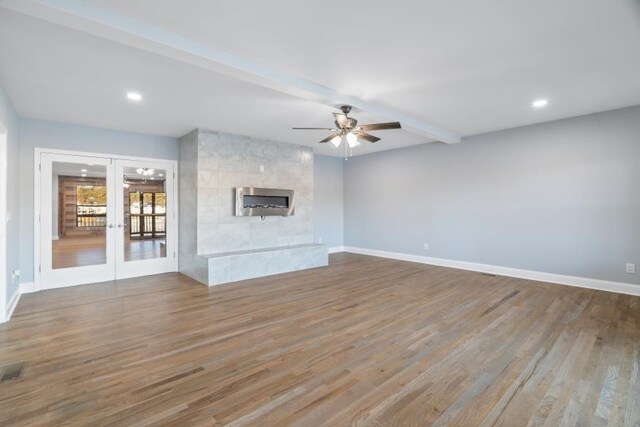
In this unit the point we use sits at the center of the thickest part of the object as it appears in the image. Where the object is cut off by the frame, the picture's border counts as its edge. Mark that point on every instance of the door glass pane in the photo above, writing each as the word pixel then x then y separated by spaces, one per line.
pixel 145 207
pixel 79 215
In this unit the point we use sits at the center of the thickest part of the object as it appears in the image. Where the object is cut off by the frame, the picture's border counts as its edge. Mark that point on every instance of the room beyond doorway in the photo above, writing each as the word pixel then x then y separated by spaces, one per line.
pixel 79 215
pixel 81 251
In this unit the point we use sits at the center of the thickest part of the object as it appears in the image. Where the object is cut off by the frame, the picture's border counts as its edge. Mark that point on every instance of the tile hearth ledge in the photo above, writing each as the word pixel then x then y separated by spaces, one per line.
pixel 226 267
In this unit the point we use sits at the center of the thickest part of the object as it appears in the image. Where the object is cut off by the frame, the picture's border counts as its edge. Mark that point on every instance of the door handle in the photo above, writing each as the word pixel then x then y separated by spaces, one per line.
pixel 110 225
pixel 120 225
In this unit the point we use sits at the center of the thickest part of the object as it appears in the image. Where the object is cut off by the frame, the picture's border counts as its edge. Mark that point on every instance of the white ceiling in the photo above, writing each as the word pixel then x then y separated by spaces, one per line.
pixel 465 66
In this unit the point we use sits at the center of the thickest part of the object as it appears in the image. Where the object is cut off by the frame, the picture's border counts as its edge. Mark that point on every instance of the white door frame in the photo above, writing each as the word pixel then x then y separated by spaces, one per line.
pixel 38 151
pixel 4 188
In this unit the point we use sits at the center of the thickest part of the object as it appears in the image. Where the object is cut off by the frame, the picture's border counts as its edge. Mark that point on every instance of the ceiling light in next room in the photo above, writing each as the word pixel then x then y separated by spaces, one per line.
pixel 145 171
pixel 83 170
pixel 540 103
pixel 134 96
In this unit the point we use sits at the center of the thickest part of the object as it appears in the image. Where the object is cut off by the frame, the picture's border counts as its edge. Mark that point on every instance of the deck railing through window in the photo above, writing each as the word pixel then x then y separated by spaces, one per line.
pixel 91 216
pixel 147 214
pixel 147 225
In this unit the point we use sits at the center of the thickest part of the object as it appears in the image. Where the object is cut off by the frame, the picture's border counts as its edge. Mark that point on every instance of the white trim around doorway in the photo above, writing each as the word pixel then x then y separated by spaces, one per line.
pixel 38 151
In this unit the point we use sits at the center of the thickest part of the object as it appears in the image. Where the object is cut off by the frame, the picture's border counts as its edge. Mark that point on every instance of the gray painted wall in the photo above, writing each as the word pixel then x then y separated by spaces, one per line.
pixel 45 134
pixel 10 120
pixel 328 200
pixel 560 197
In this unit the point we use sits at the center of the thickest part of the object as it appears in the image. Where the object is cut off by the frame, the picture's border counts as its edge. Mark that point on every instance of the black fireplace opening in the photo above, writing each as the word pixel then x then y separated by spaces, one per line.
pixel 265 202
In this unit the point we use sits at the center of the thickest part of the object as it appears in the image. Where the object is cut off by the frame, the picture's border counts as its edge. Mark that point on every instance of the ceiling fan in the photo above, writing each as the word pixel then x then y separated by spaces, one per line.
pixel 347 128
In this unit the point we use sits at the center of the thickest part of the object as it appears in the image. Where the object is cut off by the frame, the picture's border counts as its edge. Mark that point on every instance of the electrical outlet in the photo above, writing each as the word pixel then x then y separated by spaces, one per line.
pixel 320 240
pixel 631 268
pixel 426 246
pixel 261 168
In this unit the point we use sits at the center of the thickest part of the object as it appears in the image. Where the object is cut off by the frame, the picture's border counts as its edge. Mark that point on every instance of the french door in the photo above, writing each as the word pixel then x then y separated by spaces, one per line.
pixel 145 230
pixel 103 218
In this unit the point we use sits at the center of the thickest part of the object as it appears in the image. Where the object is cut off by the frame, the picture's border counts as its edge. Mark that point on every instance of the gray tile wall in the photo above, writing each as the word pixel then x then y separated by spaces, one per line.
pixel 212 164
pixel 188 207
pixel 227 161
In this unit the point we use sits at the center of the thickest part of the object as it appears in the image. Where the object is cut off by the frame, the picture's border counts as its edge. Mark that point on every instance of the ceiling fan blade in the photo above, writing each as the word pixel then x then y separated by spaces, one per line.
pixel 313 128
pixel 367 137
pixel 341 119
pixel 330 137
pixel 381 126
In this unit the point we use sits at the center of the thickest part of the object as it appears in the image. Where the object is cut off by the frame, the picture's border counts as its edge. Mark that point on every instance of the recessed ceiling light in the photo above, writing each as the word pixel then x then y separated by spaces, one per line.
pixel 134 96
pixel 83 170
pixel 84 175
pixel 539 103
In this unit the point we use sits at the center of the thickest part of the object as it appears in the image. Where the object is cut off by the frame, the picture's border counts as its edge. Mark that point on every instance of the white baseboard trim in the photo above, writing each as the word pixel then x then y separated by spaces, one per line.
pixel 55 238
pixel 27 287
pixel 335 249
pixel 23 288
pixel 582 282
pixel 13 302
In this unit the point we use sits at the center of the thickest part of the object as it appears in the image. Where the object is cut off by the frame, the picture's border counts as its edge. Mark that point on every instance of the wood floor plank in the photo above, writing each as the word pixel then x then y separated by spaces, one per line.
pixel 365 341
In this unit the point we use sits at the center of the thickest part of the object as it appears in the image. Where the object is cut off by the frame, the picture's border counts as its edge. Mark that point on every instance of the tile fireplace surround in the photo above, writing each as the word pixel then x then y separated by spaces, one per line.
pixel 218 247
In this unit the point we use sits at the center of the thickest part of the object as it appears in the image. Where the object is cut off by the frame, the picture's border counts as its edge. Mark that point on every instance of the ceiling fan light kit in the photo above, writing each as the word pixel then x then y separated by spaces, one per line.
pixel 347 130
pixel 352 140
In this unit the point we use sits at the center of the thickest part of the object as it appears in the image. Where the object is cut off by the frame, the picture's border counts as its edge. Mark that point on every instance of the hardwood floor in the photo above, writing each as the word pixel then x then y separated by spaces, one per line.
pixel 366 341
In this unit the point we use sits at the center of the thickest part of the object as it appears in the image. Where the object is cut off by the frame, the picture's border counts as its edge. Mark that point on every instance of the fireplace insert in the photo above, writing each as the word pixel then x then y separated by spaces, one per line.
pixel 251 201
